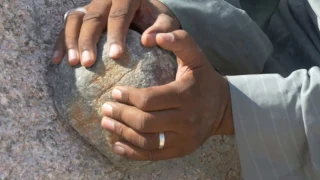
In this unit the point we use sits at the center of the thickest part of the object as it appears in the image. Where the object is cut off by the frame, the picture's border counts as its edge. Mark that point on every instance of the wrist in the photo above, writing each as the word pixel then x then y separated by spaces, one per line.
pixel 225 126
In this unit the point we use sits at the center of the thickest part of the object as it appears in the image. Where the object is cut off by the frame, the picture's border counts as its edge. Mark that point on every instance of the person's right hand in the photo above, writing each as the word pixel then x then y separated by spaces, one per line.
pixel 82 31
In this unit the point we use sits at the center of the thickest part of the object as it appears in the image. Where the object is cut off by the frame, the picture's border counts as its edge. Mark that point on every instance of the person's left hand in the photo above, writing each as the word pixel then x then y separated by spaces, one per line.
pixel 82 31
pixel 188 111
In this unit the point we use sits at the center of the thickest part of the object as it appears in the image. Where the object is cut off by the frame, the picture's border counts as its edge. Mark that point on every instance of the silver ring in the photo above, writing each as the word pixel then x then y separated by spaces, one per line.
pixel 162 140
pixel 80 9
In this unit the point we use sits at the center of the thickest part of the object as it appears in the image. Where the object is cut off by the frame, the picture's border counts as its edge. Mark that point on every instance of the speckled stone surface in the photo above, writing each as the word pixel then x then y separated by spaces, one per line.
pixel 79 92
pixel 36 144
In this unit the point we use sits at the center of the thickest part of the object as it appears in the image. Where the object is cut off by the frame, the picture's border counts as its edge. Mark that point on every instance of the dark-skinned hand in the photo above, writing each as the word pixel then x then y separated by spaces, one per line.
pixel 82 31
pixel 188 110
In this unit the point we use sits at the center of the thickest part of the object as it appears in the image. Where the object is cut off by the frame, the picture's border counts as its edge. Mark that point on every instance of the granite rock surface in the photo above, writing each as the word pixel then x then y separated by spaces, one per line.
pixel 36 143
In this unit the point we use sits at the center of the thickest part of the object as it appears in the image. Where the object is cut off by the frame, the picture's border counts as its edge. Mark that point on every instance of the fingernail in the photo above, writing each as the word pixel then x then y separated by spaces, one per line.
pixel 114 50
pixel 116 94
pixel 167 36
pixel 107 108
pixel 151 38
pixel 55 55
pixel 72 55
pixel 85 57
pixel 107 123
pixel 118 149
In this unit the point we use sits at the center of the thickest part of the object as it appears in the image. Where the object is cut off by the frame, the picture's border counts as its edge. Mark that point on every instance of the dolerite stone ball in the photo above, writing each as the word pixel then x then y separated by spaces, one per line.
pixel 79 92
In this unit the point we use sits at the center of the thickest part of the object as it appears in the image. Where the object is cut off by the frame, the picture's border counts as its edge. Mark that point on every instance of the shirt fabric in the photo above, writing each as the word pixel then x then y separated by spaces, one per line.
pixel 276 114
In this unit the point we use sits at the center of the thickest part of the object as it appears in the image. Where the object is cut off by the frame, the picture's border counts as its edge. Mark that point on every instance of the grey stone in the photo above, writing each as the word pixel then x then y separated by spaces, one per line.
pixel 35 143
pixel 79 92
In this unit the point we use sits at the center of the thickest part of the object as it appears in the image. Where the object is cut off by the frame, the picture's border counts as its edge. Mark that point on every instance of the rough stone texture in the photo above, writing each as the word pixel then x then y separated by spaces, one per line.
pixel 36 144
pixel 79 92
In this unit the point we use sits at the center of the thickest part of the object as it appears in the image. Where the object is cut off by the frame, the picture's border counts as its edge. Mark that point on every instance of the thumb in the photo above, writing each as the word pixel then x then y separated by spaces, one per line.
pixel 164 23
pixel 188 53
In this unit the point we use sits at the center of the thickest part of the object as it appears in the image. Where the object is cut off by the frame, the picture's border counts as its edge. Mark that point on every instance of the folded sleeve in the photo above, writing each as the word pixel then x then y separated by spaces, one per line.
pixel 277 124
pixel 231 40
pixel 260 10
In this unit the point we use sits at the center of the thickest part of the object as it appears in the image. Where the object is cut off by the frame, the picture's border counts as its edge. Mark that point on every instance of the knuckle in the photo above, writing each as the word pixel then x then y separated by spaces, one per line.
pixel 143 142
pixel 119 14
pixel 71 41
pixel 120 130
pixel 86 43
pixel 144 100
pixel 142 122
pixel 184 35
pixel 75 16
pixel 93 17
pixel 69 38
pixel 125 95
pixel 117 112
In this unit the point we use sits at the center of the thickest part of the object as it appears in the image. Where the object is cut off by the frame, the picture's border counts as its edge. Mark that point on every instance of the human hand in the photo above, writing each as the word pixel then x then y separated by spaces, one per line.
pixel 188 110
pixel 82 31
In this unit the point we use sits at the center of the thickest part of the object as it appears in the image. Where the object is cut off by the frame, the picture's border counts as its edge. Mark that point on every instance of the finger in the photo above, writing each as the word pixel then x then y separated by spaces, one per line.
pixel 138 154
pixel 145 122
pixel 150 99
pixel 187 51
pixel 164 23
pixel 72 31
pixel 120 17
pixel 59 49
pixel 94 23
pixel 147 141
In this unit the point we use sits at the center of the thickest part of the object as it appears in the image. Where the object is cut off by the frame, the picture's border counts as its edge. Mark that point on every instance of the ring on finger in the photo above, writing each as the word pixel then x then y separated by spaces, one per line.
pixel 80 9
pixel 162 140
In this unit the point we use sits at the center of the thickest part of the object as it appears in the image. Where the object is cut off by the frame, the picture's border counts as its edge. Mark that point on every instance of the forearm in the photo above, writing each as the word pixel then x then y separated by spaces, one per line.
pixel 231 40
pixel 277 125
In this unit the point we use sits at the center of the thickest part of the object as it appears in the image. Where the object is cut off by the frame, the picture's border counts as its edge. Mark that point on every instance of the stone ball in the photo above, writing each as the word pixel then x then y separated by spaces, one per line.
pixel 79 92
